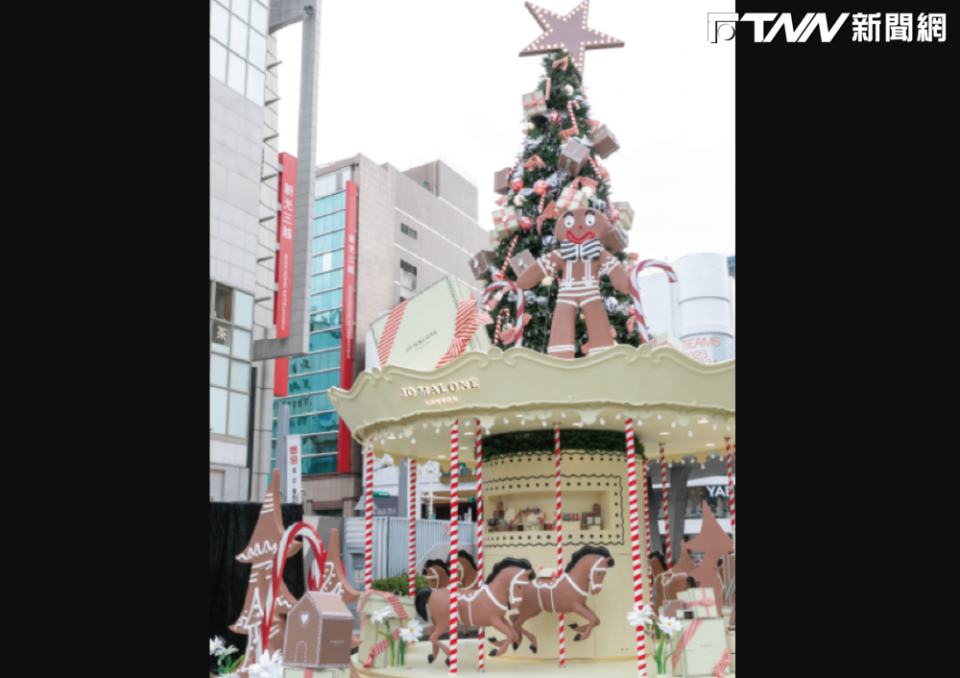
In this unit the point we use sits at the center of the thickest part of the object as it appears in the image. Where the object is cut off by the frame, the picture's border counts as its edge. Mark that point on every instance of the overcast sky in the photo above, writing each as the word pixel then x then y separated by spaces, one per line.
pixel 421 79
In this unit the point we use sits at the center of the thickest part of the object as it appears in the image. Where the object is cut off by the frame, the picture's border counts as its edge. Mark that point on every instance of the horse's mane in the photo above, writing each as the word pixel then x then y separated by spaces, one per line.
pixel 436 561
pixel 588 551
pixel 659 556
pixel 522 563
pixel 466 556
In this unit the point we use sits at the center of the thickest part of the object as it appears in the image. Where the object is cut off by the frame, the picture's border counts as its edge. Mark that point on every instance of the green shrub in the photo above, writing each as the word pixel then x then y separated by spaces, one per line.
pixel 399 583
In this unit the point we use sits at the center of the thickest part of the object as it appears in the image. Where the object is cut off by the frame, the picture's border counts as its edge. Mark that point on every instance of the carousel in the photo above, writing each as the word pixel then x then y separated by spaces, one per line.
pixel 564 574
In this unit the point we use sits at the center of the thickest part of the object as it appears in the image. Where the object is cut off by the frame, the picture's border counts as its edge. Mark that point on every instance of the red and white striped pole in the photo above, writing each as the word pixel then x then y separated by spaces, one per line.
pixel 733 519
pixel 368 513
pixel 479 458
pixel 506 262
pixel 454 524
pixel 635 547
pixel 556 452
pixel 646 527
pixel 412 467
pixel 666 509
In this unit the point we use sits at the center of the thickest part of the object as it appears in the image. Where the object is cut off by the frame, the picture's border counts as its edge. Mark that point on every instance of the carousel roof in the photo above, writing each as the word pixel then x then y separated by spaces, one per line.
pixel 671 398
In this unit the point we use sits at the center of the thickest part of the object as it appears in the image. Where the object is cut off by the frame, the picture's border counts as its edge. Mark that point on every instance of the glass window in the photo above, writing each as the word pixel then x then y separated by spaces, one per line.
pixel 241 344
pixel 238 36
pixel 327 261
pixel 219 367
pixel 323 340
pixel 222 304
pixel 219 22
pixel 329 222
pixel 318 402
pixel 326 320
pixel 255 85
pixel 325 300
pixel 239 375
pixel 257 51
pixel 244 308
pixel 331 203
pixel 258 17
pixel 322 444
pixel 326 281
pixel 236 73
pixel 315 362
pixel 242 9
pixel 312 423
pixel 218 60
pixel 314 382
pixel 314 465
pixel 220 337
pixel 218 410
pixel 330 241
pixel 239 407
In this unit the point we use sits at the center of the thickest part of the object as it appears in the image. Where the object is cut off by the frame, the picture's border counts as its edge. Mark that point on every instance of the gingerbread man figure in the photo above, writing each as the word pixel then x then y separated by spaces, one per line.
pixel 581 260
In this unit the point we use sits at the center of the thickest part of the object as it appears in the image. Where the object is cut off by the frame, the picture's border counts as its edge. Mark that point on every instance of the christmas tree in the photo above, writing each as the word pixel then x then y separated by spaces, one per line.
pixel 546 181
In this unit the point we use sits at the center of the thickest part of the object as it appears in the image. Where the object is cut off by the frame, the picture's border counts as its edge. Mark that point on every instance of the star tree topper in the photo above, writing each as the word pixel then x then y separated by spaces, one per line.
pixel 568 33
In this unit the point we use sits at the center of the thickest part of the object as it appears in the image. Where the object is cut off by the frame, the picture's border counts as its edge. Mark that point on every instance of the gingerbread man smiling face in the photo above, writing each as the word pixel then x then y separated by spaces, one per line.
pixel 581 260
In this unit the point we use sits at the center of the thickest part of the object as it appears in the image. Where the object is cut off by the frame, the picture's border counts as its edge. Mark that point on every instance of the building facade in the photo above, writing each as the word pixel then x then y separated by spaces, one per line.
pixel 412 227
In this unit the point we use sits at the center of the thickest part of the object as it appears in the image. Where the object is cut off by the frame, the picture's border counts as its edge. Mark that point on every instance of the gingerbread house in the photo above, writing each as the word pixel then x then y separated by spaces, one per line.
pixel 319 629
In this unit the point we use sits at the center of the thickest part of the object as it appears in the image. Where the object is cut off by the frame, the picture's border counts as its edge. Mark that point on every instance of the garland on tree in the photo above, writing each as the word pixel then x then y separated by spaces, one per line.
pixel 528 443
pixel 544 139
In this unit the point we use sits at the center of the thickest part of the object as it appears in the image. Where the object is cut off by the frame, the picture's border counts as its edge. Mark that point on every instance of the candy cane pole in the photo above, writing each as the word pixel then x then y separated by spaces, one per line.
pixel 596 167
pixel 454 524
pixel 570 106
pixel 635 547
pixel 496 331
pixel 479 456
pixel 506 262
pixel 733 520
pixel 556 452
pixel 368 513
pixel 412 464
pixel 646 527
pixel 666 509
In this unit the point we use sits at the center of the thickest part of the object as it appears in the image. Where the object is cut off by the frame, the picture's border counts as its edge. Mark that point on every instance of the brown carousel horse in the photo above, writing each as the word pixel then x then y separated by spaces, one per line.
pixel 567 593
pixel 679 581
pixel 485 606
pixel 437 573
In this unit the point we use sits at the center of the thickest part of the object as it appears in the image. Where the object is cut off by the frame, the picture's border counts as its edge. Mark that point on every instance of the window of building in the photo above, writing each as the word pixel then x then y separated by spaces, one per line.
pixel 408 279
pixel 409 231
pixel 333 182
pixel 238 45
pixel 231 322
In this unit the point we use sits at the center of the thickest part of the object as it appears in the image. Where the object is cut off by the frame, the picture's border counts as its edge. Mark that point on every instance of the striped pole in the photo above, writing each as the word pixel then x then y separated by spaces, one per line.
pixel 635 547
pixel 454 524
pixel 666 509
pixel 556 452
pixel 412 464
pixel 506 262
pixel 496 331
pixel 646 527
pixel 479 457
pixel 733 519
pixel 368 512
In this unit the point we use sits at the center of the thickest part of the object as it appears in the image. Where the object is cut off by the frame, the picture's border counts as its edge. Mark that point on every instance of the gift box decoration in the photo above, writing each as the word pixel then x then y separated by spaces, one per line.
pixel 700 647
pixel 701 601
pixel 521 262
pixel 615 239
pixel 481 264
pixel 505 221
pixel 534 104
pixel 419 332
pixel 571 198
pixel 604 143
pixel 675 608
pixel 626 214
pixel 501 181
pixel 573 155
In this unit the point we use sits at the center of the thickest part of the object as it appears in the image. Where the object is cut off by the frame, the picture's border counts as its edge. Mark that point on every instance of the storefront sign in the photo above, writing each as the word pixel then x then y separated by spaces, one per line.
pixel 283 271
pixel 292 476
pixel 708 348
pixel 717 490
pixel 386 507
pixel 348 318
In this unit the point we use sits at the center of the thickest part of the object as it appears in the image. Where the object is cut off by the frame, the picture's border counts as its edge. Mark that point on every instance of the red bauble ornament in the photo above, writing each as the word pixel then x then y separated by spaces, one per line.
pixel 516 185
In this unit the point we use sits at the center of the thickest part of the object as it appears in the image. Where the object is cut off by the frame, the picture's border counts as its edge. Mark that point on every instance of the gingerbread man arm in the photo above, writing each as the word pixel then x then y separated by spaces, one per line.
pixel 543 267
pixel 619 277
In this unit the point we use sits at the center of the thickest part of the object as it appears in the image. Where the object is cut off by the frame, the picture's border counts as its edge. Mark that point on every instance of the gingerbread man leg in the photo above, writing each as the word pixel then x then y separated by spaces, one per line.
pixel 562 331
pixel 598 326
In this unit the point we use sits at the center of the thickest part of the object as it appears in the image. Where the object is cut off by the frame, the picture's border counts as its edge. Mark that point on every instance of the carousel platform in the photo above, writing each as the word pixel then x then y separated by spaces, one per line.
pixel 508 667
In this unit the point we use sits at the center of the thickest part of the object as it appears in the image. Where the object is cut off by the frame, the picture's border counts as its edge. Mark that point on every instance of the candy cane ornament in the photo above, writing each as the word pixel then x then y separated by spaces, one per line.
pixel 479 457
pixel 666 510
pixel 412 548
pixel 368 514
pixel 506 262
pixel 492 295
pixel 637 311
pixel 635 547
pixel 556 452
pixel 570 106
pixel 496 331
pixel 454 543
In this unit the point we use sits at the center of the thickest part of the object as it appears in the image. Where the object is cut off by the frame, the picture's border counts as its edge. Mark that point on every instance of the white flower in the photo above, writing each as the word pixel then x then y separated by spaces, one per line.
pixel 638 617
pixel 380 615
pixel 568 90
pixel 519 200
pixel 411 634
pixel 216 646
pixel 230 649
pixel 669 625
pixel 268 667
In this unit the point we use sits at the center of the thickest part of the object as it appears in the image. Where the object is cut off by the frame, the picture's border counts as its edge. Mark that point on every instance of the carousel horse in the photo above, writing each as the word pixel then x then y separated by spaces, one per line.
pixel 668 586
pixel 469 578
pixel 567 593
pixel 437 573
pixel 485 606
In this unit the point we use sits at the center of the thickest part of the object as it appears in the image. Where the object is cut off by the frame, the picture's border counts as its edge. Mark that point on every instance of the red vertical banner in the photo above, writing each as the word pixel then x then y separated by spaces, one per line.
pixel 283 271
pixel 348 319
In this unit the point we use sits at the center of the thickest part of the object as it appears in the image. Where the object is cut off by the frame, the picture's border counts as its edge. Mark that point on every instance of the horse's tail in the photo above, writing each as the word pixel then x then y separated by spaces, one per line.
pixel 420 602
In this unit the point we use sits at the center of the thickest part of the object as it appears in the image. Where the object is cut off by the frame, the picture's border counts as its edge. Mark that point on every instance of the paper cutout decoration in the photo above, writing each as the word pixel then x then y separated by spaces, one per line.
pixel 715 544
pixel 259 555
pixel 334 579
pixel 319 637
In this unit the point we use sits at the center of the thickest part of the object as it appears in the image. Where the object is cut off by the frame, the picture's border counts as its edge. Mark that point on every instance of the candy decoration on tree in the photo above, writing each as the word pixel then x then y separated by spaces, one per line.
pixel 601 172
pixel 509 332
pixel 546 93
pixel 516 185
pixel 496 332
pixel 479 471
pixel 575 130
pixel 412 548
pixel 637 311
pixel 550 212
pixel 513 243
pixel 561 64
pixel 554 117
pixel 559 521
pixel 568 33
pixel 635 546
pixel 498 288
pixel 533 163
pixel 666 511
pixel 540 188
pixel 526 223
pixel 454 542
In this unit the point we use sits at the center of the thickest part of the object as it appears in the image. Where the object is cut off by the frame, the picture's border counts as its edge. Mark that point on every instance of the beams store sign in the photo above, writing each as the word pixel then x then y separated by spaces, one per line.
pixel 441 390
pixel 708 348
